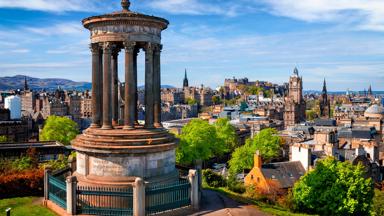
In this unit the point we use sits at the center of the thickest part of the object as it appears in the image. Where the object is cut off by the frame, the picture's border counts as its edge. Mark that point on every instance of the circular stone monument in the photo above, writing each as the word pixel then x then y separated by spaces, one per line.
pixel 115 149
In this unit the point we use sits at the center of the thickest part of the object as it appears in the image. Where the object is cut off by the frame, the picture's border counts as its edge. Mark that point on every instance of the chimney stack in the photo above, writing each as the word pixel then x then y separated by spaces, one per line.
pixel 257 160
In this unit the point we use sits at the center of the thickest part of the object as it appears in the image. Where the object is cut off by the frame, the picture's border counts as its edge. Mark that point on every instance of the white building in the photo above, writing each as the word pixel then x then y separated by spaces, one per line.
pixel 13 103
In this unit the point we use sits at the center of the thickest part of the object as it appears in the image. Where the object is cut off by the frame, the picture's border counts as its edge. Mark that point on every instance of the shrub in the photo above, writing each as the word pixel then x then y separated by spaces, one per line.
pixel 213 179
pixel 22 183
pixel 234 185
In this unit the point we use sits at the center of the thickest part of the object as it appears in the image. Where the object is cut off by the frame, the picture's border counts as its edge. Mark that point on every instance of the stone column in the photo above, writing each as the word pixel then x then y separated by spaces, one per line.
pixel 136 52
pixel 100 81
pixel 193 180
pixel 71 182
pixel 157 86
pixel 139 197
pixel 96 112
pixel 149 86
pixel 115 79
pixel 129 109
pixel 107 118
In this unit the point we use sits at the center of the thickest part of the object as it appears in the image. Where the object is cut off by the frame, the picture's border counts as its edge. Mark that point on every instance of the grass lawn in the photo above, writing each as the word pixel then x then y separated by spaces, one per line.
pixel 23 206
pixel 264 207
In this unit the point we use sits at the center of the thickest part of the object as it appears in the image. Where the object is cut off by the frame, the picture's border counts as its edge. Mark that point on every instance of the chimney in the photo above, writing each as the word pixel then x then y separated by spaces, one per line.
pixel 257 159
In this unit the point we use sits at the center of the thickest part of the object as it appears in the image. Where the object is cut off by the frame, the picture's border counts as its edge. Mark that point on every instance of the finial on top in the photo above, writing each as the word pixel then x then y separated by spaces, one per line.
pixel 125 5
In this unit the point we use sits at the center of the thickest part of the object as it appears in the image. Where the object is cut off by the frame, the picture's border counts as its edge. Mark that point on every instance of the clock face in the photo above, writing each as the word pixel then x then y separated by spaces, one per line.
pixel 294 84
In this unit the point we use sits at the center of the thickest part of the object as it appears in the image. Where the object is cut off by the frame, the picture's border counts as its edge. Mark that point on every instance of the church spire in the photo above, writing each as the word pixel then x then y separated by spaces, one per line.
pixel 25 83
pixel 370 90
pixel 324 87
pixel 185 81
pixel 296 71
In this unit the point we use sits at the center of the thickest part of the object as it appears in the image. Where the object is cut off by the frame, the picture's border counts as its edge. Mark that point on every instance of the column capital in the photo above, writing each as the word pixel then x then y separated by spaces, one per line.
pixel 149 47
pixel 115 50
pixel 129 46
pixel 107 47
pixel 157 48
pixel 95 48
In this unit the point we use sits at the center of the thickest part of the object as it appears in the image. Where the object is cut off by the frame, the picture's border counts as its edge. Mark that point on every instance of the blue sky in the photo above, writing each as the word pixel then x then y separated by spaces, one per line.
pixel 341 40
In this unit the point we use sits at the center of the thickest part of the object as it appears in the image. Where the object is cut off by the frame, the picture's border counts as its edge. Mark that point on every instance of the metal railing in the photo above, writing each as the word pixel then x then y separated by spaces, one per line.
pixel 166 197
pixel 57 190
pixel 104 201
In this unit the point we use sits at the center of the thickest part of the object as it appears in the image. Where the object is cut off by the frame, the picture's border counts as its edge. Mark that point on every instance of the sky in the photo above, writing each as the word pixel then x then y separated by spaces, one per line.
pixel 339 40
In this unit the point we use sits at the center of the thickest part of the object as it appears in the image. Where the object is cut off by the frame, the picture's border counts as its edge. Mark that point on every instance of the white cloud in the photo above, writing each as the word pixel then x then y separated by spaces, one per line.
pixel 366 14
pixel 20 51
pixel 56 5
pixel 70 28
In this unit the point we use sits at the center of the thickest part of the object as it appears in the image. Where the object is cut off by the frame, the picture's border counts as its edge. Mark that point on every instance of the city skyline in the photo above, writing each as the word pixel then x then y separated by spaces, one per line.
pixel 261 40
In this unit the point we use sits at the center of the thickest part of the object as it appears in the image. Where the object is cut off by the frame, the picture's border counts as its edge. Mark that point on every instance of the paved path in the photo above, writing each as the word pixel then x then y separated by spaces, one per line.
pixel 215 204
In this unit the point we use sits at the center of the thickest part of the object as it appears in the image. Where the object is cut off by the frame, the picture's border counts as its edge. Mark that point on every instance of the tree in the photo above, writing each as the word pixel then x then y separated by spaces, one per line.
pixel 60 129
pixel 216 99
pixel 266 141
pixel 334 188
pixel 226 133
pixel 378 203
pixel 198 140
pixel 191 101
pixel 3 139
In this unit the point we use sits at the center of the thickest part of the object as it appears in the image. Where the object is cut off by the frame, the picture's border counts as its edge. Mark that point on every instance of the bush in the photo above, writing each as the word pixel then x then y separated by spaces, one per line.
pixel 22 183
pixel 378 203
pixel 213 179
pixel 234 185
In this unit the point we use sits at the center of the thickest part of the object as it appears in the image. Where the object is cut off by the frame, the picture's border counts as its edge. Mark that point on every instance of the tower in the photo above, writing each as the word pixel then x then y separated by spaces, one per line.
pixel 294 103
pixel 325 105
pixel 185 81
pixel 25 84
pixel 370 93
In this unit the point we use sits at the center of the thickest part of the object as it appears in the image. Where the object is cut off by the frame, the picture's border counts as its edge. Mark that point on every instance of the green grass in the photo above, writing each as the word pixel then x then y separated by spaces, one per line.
pixel 22 206
pixel 264 207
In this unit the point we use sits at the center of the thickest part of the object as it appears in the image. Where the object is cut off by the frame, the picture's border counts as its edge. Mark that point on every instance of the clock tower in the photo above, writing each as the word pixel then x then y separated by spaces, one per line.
pixel 294 102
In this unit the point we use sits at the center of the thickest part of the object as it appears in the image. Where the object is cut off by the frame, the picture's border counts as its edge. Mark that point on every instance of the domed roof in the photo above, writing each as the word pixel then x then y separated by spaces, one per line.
pixel 375 109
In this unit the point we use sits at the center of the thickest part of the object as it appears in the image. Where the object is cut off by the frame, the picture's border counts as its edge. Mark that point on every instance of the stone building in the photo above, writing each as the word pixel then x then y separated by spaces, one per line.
pixel 172 96
pixel 13 130
pixel 294 103
pixel 325 104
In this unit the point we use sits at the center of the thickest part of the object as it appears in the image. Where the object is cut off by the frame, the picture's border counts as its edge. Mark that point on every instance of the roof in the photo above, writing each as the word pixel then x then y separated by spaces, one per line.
pixel 26 145
pixel 361 133
pixel 375 109
pixel 325 122
pixel 286 173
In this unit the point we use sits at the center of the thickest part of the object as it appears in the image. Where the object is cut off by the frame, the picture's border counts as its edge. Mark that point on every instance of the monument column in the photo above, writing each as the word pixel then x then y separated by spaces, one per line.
pixel 135 53
pixel 129 109
pixel 149 85
pixel 96 90
pixel 115 96
pixel 157 86
pixel 107 118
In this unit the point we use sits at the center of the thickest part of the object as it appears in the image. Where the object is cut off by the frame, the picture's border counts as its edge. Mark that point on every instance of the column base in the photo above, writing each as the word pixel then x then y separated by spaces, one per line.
pixel 94 125
pixel 128 127
pixel 149 126
pixel 106 127
pixel 158 125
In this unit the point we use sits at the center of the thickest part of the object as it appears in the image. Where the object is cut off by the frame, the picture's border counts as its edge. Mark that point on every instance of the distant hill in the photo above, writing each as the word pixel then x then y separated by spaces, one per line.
pixel 17 82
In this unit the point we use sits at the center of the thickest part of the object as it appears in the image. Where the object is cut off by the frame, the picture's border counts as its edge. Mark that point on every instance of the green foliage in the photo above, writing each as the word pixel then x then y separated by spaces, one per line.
pixel 216 99
pixel 198 140
pixel 226 134
pixel 311 115
pixel 230 102
pixel 60 129
pixel 334 188
pixel 3 139
pixel 378 203
pixel 191 101
pixel 213 179
pixel 234 185
pixel 23 163
pixel 60 163
pixel 267 142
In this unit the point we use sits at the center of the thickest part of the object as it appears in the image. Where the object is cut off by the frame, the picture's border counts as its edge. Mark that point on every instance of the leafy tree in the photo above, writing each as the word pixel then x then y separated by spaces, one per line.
pixel 216 99
pixel 378 203
pixel 198 140
pixel 191 101
pixel 310 115
pixel 334 188
pixel 226 133
pixel 3 139
pixel 60 129
pixel 267 142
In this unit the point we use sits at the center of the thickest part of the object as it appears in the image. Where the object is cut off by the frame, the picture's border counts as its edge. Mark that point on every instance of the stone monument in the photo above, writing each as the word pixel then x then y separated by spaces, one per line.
pixel 112 154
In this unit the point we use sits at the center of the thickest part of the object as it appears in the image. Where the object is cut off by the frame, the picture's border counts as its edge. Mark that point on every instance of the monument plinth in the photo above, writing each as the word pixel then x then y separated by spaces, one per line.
pixel 110 154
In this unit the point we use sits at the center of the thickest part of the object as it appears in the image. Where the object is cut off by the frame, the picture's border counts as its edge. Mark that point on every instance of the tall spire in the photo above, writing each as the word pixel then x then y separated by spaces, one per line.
pixel 185 81
pixel 325 87
pixel 296 71
pixel 370 90
pixel 25 83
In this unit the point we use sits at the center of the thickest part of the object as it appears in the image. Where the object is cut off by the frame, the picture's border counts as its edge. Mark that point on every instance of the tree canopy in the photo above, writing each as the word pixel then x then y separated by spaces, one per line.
pixel 60 129
pixel 3 139
pixel 266 141
pixel 334 188
pixel 200 140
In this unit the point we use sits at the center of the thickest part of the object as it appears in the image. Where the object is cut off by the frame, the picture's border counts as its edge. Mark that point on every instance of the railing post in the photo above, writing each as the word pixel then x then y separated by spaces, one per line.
pixel 139 197
pixel 194 181
pixel 47 172
pixel 199 168
pixel 71 194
